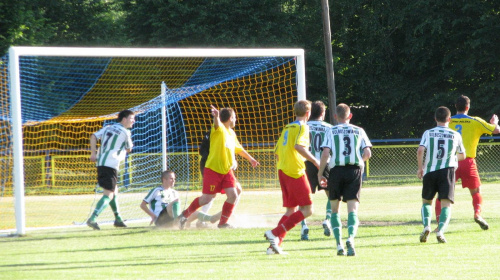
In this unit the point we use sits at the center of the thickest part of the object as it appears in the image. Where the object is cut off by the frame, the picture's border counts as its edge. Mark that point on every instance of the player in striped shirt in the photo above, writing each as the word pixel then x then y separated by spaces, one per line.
pixel 116 142
pixel 471 129
pixel 164 205
pixel 440 146
pixel 317 131
pixel 349 148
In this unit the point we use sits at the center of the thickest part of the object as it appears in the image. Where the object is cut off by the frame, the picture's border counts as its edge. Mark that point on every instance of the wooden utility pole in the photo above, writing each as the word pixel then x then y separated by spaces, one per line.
pixel 327 37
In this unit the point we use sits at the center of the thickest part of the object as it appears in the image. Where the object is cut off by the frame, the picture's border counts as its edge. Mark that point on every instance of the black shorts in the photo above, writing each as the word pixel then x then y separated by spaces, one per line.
pixel 441 181
pixel 202 166
pixel 107 178
pixel 345 183
pixel 312 176
pixel 164 219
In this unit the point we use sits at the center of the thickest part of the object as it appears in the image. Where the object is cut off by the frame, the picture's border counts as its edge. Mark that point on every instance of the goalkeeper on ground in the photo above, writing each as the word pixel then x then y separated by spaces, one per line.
pixel 164 206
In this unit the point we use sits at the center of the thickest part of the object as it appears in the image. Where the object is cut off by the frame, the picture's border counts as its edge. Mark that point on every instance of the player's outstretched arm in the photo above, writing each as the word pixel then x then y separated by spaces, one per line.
pixel 248 157
pixel 494 120
pixel 215 114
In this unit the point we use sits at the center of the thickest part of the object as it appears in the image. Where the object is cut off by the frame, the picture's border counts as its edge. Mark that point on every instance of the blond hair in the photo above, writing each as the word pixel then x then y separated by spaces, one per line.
pixel 342 111
pixel 301 108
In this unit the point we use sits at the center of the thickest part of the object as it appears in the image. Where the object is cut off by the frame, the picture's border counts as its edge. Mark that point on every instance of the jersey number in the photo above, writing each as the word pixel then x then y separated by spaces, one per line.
pixel 458 128
pixel 347 146
pixel 316 141
pixel 440 153
pixel 285 138
pixel 108 136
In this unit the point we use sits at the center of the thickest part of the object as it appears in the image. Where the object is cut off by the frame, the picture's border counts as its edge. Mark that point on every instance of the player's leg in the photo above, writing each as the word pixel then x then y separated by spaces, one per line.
pixel 477 201
pixel 107 178
pixel 304 230
pixel 352 225
pixel 230 186
pixel 113 203
pixel 446 193
pixel 336 225
pixel 327 230
pixel 205 209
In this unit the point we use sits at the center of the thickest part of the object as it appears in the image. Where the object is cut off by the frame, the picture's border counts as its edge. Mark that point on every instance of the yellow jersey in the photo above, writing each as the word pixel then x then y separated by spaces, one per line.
pixel 223 149
pixel 471 129
pixel 289 160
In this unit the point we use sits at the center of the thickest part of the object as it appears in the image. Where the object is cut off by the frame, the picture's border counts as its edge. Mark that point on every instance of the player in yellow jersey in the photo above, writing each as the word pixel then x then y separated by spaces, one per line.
pixel 218 175
pixel 471 129
pixel 291 151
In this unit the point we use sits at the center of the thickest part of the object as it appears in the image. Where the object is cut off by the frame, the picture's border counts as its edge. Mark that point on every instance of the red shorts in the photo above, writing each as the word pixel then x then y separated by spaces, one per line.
pixel 214 182
pixel 467 172
pixel 295 192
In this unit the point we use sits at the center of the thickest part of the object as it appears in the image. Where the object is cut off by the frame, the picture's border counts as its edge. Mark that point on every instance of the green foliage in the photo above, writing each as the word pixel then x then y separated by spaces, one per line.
pixel 395 61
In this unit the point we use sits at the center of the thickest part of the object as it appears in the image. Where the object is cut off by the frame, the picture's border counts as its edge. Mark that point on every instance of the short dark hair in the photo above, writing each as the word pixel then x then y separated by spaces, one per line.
pixel 225 114
pixel 124 114
pixel 442 114
pixel 462 102
pixel 317 108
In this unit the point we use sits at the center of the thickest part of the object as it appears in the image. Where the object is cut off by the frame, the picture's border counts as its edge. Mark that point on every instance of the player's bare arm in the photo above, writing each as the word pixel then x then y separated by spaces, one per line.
pixel 306 154
pixel 494 120
pixel 93 148
pixel 367 153
pixel 144 207
pixel 215 114
pixel 248 157
pixel 325 157
pixel 420 160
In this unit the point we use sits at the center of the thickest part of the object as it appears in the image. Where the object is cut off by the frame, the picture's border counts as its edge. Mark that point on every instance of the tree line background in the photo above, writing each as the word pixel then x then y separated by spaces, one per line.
pixel 395 61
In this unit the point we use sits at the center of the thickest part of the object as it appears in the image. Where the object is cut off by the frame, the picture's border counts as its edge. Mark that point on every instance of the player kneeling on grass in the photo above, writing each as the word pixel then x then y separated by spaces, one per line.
pixel 164 206
pixel 438 171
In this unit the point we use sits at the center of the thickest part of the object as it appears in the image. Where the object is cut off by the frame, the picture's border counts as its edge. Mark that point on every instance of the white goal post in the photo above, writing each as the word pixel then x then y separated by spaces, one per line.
pixel 15 72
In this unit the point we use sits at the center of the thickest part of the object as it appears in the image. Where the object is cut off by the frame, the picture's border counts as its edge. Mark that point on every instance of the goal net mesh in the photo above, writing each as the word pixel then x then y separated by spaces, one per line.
pixel 66 99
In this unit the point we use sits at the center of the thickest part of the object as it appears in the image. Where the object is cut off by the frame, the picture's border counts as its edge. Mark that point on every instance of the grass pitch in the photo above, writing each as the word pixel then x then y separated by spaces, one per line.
pixel 387 245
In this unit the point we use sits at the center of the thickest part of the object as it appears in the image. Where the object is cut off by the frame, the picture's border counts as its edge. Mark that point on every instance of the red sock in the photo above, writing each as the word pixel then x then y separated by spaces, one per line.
pixel 288 224
pixel 227 210
pixel 192 207
pixel 437 209
pixel 282 220
pixel 477 200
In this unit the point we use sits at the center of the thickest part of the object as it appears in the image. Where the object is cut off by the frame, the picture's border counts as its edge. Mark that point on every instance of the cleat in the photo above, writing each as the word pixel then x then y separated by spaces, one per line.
pixel 273 241
pixel 182 221
pixel 327 230
pixel 304 234
pixel 270 251
pixel 201 225
pixel 481 222
pixel 119 224
pixel 425 234
pixel 350 248
pixel 226 225
pixel 440 237
pixel 93 225
pixel 340 250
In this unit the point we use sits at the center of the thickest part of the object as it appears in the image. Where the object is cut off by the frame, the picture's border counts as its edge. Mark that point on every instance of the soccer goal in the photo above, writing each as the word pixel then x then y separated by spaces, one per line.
pixel 53 99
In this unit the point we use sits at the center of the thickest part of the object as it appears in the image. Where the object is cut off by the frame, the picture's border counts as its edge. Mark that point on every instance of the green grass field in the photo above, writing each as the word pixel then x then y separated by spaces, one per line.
pixel 387 245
